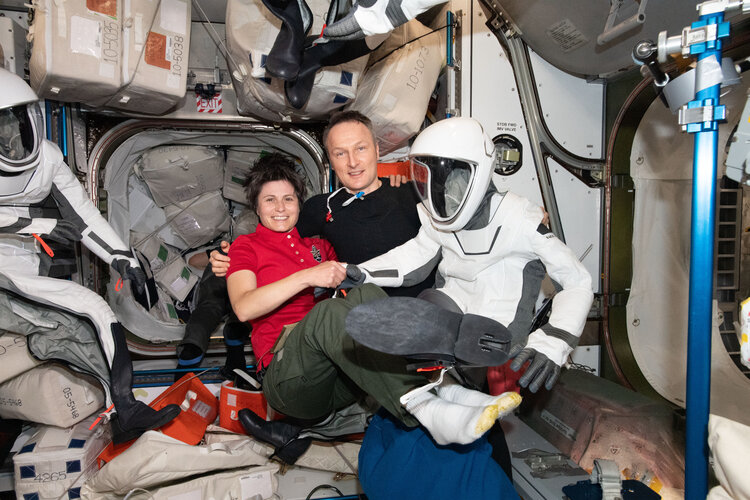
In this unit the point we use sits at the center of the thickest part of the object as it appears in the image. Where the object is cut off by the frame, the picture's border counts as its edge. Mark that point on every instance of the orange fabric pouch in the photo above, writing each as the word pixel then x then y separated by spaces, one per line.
pixel 199 408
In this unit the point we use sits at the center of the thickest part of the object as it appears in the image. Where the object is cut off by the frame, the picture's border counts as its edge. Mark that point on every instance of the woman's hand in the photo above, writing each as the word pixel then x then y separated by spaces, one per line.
pixel 328 274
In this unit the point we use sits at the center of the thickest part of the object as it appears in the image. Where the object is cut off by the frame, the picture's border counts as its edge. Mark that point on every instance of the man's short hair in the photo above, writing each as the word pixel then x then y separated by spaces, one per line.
pixel 269 168
pixel 347 116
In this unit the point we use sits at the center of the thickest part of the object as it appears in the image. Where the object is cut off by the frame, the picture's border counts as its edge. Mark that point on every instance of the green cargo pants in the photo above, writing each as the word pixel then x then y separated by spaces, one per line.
pixel 321 369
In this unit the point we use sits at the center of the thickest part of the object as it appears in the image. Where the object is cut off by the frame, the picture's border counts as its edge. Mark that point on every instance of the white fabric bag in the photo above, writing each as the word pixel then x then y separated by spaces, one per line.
pixel 252 483
pixel 15 357
pixel 155 250
pixel 395 90
pixel 199 220
pixel 176 279
pixel 54 462
pixel 729 442
pixel 76 50
pixel 156 39
pixel 178 173
pixel 156 458
pixel 238 164
pixel 50 394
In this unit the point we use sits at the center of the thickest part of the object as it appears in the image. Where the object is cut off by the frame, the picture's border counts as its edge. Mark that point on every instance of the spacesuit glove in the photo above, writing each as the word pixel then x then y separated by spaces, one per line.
pixel 135 274
pixel 370 17
pixel 64 232
pixel 354 275
pixel 546 355
pixel 542 370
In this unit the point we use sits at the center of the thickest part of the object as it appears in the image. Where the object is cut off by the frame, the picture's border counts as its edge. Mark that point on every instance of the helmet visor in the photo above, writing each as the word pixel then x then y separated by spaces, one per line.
pixel 20 127
pixel 442 183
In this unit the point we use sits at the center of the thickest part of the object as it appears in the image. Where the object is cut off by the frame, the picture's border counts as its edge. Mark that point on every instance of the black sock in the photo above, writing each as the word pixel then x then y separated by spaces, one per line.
pixel 235 357
pixel 190 356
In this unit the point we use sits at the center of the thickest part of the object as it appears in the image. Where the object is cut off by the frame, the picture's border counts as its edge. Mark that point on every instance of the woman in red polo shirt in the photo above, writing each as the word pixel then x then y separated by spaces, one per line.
pixel 273 271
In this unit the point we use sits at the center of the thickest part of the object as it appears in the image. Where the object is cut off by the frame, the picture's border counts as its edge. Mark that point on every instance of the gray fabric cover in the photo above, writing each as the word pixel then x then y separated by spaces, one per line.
pixel 54 335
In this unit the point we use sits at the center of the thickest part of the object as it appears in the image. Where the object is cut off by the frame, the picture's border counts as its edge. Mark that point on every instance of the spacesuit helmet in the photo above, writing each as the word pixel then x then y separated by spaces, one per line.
pixel 451 162
pixel 21 125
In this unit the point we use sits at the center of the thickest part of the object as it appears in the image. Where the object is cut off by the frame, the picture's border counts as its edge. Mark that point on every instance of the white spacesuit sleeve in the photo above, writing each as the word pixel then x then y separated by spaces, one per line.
pixel 19 224
pixel 76 207
pixel 405 265
pixel 571 305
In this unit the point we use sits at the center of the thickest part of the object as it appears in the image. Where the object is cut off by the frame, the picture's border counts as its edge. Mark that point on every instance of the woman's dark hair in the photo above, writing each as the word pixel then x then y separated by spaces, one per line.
pixel 347 116
pixel 268 168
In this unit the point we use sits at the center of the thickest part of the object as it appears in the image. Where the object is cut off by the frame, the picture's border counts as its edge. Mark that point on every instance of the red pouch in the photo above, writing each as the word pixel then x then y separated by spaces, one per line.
pixel 232 400
pixel 199 408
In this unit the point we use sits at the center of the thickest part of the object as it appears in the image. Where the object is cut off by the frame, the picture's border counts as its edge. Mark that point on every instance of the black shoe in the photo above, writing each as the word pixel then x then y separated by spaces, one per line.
pixel 139 418
pixel 416 328
pixel 281 435
pixel 324 54
pixel 285 57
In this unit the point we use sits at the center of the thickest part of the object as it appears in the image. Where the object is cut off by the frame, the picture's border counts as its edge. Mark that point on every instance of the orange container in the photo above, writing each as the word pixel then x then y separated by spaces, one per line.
pixel 199 408
pixel 232 400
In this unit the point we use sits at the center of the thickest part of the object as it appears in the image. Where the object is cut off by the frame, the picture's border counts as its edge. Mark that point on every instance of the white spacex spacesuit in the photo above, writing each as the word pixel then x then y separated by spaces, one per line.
pixel 33 173
pixel 493 249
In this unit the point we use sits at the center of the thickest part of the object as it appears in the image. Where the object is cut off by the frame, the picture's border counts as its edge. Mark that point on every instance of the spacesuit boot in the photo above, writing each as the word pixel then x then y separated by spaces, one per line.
pixel 132 418
pixel 285 58
pixel 325 54
pixel 406 326
pixel 283 436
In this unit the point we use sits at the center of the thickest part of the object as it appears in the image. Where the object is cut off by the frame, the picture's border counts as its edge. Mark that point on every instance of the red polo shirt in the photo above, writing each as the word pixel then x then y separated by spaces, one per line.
pixel 272 256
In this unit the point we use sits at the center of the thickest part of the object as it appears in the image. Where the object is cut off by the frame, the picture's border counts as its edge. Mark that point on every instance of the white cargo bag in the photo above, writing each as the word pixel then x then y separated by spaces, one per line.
pixel 251 30
pixel 54 463
pixel 238 164
pixel 50 394
pixel 146 217
pixel 199 220
pixel 156 251
pixel 177 173
pixel 15 357
pixel 176 279
pixel 156 458
pixel 12 46
pixel 341 456
pixel 76 50
pixel 155 55
pixel 252 483
pixel 394 92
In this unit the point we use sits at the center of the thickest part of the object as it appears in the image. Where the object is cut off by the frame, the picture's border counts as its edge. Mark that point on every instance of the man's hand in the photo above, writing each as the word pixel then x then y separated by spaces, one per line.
pixel 397 180
pixel 219 260
pixel 545 217
pixel 64 232
pixel 135 274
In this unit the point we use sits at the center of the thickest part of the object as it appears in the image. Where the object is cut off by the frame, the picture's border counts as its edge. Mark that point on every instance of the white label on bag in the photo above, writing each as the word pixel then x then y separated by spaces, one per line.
pixel 190 495
pixel 85 36
pixel 256 484
pixel 201 409
pixel 173 16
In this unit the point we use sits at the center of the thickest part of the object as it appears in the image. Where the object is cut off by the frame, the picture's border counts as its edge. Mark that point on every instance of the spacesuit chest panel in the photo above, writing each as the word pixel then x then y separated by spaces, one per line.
pixel 492 238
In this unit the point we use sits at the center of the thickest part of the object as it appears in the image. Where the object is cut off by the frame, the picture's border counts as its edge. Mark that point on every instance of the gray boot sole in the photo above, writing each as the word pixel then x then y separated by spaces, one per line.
pixel 416 328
